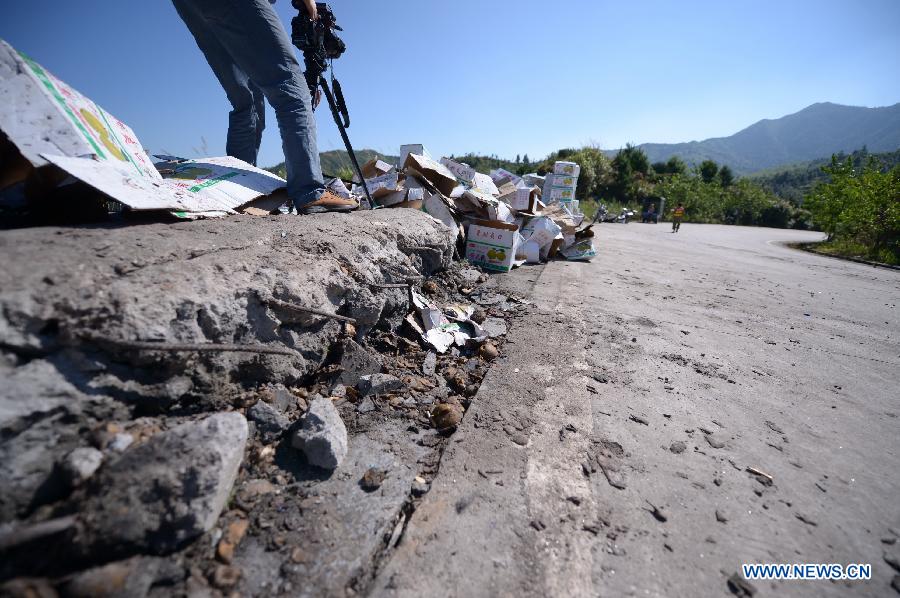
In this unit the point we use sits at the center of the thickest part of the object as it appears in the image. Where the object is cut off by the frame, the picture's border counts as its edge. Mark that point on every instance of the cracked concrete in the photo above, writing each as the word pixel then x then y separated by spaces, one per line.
pixel 67 295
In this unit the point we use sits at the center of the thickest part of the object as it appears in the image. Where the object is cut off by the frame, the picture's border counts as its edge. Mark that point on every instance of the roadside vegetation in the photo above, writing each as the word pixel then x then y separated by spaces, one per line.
pixel 711 192
pixel 859 209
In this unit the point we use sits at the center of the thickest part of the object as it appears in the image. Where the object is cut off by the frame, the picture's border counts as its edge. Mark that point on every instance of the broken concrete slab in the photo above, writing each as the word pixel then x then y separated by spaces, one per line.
pixel 194 283
pixel 33 388
pixel 131 578
pixel 322 435
pixel 81 464
pixel 343 529
pixel 379 384
pixel 270 422
pixel 356 362
pixel 494 327
pixel 167 491
pixel 31 449
pixel 430 363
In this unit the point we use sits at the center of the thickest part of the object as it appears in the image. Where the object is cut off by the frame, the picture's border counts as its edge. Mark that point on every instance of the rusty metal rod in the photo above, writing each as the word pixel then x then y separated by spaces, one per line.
pixel 309 310
pixel 192 347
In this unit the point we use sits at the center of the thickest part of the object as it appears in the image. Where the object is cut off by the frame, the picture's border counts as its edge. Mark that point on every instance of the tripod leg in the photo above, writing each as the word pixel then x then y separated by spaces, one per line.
pixel 337 120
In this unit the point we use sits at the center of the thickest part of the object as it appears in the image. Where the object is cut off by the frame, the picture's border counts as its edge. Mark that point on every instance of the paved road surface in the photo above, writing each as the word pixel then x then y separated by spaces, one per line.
pixel 650 380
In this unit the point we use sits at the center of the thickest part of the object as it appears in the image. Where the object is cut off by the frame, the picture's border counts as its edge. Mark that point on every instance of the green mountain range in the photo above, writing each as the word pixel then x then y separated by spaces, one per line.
pixel 337 162
pixel 816 131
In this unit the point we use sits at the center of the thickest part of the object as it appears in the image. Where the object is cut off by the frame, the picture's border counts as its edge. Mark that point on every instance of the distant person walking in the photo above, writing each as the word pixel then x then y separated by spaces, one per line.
pixel 677 217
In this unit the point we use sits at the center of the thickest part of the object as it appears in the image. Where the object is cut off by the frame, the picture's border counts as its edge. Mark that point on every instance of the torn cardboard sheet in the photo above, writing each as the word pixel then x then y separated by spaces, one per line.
pixel 482 182
pixel 435 207
pixel 52 123
pixel 41 114
pixel 463 172
pixel 208 185
pixel 434 172
pixel 580 250
pixel 441 331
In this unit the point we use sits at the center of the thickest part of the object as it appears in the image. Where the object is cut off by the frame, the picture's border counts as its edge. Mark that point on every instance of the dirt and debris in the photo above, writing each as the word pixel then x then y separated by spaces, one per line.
pixel 740 587
pixel 185 462
pixel 322 435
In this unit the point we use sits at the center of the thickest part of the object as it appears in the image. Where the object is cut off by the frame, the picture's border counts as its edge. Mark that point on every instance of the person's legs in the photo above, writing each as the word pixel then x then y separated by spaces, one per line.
pixel 247 117
pixel 259 113
pixel 246 123
pixel 255 38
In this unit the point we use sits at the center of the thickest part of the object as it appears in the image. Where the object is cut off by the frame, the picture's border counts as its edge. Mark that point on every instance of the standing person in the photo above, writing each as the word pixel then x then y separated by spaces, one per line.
pixel 677 216
pixel 252 57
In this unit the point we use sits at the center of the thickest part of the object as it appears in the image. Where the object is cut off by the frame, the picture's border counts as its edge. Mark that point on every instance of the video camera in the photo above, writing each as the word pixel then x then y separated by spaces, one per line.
pixel 319 43
pixel 317 40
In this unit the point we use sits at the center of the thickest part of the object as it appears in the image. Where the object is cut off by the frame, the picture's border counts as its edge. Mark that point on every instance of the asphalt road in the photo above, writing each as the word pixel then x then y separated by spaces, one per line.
pixel 607 452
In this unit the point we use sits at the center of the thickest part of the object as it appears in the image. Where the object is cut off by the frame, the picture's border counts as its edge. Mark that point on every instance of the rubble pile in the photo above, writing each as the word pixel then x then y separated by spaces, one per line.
pixel 502 220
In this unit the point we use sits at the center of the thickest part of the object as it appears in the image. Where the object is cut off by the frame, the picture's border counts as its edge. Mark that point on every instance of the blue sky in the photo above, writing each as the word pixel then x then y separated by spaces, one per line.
pixel 499 77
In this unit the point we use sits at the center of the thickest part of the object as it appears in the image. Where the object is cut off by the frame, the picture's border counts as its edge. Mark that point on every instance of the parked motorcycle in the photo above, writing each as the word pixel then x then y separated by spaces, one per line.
pixel 624 216
pixel 603 215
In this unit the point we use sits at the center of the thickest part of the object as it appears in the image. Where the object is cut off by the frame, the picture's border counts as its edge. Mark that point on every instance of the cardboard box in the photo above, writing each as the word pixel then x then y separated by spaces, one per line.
pixel 500 175
pixel 559 194
pixel 412 148
pixel 435 207
pixel 580 250
pixel 375 168
pixel 434 172
pixel 492 245
pixel 483 183
pixel 463 172
pixel 485 207
pixel 541 231
pixel 384 185
pixel 415 194
pixel 507 189
pixel 568 168
pixel 498 210
pixel 523 199
pixel 534 180
pixel 561 180
pixel 392 199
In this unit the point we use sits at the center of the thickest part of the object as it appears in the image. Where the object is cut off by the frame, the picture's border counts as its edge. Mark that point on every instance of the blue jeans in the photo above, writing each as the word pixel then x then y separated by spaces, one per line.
pixel 252 57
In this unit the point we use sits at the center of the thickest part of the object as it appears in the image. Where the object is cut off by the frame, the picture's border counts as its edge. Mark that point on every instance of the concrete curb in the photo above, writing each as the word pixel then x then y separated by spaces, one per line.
pixel 809 248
